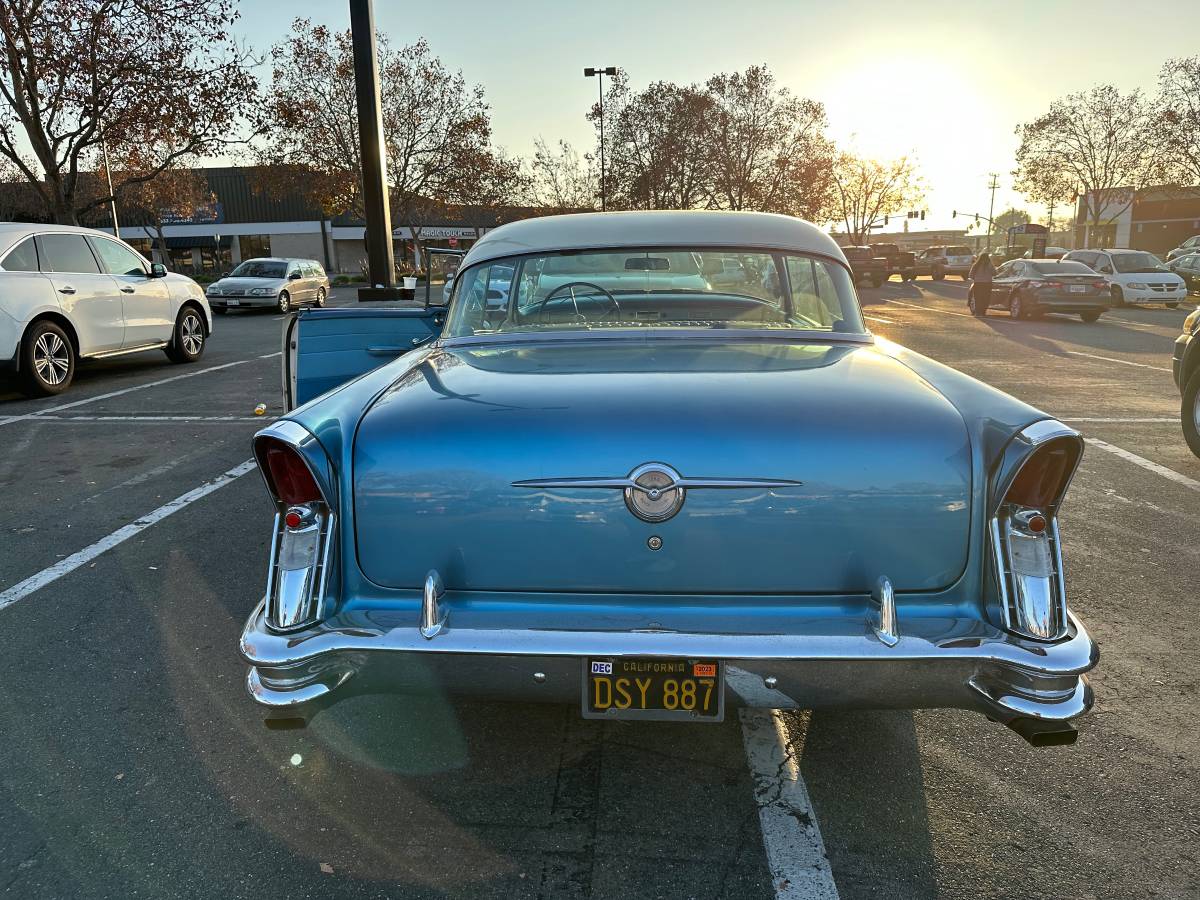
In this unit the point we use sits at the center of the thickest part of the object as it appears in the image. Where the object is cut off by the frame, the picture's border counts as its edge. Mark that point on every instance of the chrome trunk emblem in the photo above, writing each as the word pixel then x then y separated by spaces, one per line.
pixel 654 492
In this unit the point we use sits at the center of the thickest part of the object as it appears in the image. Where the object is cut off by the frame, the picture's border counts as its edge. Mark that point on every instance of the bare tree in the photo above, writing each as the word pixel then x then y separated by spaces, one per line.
pixel 175 193
pixel 1098 141
pixel 1176 123
pixel 311 119
pixel 655 139
pixel 560 179
pixel 768 149
pixel 866 190
pixel 73 72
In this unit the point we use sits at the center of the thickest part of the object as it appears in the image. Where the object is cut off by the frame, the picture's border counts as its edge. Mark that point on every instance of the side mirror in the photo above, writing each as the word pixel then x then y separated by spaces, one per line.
pixel 158 270
pixel 295 276
pixel 223 275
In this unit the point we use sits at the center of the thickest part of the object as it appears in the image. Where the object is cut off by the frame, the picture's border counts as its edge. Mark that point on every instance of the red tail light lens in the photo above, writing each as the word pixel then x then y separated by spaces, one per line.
pixel 1043 479
pixel 287 474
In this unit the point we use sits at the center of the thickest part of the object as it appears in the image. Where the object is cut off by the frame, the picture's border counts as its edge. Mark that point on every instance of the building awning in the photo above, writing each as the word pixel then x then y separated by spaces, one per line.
pixel 199 241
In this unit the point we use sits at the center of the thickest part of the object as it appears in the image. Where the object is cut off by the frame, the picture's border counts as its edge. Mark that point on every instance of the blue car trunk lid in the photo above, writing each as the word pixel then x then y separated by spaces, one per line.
pixel 882 462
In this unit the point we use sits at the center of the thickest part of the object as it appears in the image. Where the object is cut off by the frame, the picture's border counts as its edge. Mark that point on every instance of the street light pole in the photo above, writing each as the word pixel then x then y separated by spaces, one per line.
pixel 992 208
pixel 112 199
pixel 588 73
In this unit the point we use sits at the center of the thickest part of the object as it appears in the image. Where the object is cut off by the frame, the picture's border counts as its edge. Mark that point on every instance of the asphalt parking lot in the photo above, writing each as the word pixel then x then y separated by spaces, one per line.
pixel 133 765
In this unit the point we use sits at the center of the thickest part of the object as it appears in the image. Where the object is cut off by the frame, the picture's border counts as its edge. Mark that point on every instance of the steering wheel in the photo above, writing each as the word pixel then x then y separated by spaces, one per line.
pixel 570 286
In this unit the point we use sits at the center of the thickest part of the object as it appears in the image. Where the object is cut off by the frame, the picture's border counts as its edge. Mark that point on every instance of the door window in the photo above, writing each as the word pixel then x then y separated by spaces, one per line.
pixel 118 259
pixel 814 296
pixel 66 253
pixel 23 257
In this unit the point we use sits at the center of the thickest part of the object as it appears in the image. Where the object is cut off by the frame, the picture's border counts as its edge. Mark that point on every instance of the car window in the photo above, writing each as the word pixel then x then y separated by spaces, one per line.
pixel 813 293
pixel 1063 267
pixel 22 258
pixel 958 251
pixel 117 258
pixel 66 253
pixel 259 268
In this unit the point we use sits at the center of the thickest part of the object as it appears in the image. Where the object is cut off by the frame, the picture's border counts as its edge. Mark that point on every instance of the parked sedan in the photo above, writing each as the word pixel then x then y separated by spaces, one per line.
pixel 271 282
pixel 72 293
pixel 656 501
pixel 1188 268
pixel 1186 368
pixel 1191 245
pixel 1030 287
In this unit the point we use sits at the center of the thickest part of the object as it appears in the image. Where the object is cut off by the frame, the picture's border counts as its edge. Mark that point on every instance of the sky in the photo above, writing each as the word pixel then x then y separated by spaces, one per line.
pixel 945 82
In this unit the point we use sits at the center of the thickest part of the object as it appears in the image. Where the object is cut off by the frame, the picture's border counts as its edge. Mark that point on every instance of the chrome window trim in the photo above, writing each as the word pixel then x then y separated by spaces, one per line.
pixel 791 335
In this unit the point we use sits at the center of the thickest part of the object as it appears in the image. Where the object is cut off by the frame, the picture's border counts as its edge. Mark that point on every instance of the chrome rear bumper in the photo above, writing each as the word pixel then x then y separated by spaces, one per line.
pixel 825 663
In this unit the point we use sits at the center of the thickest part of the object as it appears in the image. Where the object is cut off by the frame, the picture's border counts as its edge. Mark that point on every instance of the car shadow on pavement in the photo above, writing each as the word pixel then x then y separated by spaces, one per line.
pixel 889 290
pixel 864 775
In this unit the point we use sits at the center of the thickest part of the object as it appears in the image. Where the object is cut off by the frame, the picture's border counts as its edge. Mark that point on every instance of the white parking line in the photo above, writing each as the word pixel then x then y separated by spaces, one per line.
pixel 129 390
pixel 1123 362
pixel 67 420
pixel 65 566
pixel 1120 421
pixel 795 851
pixel 1146 464
pixel 945 312
pixel 879 319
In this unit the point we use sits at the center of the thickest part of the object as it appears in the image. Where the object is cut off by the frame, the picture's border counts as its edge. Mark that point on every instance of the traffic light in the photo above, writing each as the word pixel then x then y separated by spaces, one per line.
pixel 922 215
pixel 954 215
pixel 885 221
pixel 976 218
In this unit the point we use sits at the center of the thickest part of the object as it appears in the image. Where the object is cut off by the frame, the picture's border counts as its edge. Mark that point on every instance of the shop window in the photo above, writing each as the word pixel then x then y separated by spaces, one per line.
pixel 255 246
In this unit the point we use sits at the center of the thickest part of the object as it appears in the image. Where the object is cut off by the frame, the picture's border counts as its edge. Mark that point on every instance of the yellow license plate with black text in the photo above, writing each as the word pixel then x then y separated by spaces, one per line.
pixel 649 688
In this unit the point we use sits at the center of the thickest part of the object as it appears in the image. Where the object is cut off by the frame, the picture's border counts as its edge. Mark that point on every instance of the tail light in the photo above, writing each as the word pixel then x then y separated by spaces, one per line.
pixel 302 542
pixel 1025 536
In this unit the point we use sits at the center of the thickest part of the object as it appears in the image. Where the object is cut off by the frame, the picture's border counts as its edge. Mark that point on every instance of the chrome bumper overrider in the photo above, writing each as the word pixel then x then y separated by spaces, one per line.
pixel 837 662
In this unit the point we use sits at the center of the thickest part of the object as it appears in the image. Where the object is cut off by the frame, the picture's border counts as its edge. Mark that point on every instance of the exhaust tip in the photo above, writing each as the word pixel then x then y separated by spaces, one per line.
pixel 285 723
pixel 1040 733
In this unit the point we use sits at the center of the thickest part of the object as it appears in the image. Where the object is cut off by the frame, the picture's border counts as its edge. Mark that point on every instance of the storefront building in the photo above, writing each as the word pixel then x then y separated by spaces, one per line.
pixel 1157 219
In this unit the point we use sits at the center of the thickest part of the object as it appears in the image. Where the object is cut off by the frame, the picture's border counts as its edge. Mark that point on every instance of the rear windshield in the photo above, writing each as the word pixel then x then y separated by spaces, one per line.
pixel 958 251
pixel 1062 268
pixel 650 288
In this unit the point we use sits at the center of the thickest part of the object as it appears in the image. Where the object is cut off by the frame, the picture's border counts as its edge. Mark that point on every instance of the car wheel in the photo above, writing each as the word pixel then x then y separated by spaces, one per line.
pixel 1190 412
pixel 321 295
pixel 1171 305
pixel 1091 315
pixel 285 302
pixel 188 342
pixel 1118 296
pixel 1015 308
pixel 938 275
pixel 47 360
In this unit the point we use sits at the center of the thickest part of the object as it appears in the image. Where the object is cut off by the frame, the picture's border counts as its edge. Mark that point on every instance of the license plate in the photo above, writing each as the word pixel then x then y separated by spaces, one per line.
pixel 690 690
pixel 1078 288
pixel 233 302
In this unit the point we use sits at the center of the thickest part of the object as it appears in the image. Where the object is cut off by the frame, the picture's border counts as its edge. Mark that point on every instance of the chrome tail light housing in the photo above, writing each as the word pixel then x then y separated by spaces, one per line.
pixel 1026 544
pixel 302 543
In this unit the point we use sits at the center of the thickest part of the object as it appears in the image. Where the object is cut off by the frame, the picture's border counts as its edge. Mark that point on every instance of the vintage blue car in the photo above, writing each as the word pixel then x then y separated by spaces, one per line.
pixel 659 496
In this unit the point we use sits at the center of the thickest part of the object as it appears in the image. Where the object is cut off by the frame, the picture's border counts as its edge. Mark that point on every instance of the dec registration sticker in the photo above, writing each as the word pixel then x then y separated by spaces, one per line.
pixel 652 688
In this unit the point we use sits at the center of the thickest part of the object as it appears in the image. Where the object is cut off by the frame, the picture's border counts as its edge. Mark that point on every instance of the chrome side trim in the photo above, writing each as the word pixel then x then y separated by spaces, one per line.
pixel 886 627
pixel 141 348
pixel 433 617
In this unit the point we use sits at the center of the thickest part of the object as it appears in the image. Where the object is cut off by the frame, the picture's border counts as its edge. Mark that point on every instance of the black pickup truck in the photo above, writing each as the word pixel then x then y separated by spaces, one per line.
pixel 866 266
pixel 899 262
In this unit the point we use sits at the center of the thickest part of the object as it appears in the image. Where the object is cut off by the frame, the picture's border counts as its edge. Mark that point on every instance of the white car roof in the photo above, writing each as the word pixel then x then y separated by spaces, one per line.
pixel 12 233
pixel 665 228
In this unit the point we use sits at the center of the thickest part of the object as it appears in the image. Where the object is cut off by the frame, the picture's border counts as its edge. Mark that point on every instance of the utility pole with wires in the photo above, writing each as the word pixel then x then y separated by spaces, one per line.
pixel 992 208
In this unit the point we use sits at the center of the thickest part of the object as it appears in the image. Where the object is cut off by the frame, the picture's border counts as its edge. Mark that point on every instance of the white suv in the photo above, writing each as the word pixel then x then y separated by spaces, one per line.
pixel 1134 276
pixel 68 293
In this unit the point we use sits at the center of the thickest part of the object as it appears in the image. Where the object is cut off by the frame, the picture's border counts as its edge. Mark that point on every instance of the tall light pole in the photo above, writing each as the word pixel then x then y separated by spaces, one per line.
pixel 588 73
pixel 112 199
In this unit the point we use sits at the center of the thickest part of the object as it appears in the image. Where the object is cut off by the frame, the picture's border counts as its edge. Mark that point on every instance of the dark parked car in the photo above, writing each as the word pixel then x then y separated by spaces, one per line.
pixel 899 262
pixel 1188 268
pixel 1186 366
pixel 1029 287
pixel 866 266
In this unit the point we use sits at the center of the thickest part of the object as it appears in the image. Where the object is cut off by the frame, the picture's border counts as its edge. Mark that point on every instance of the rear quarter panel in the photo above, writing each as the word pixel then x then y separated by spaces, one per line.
pixel 23 297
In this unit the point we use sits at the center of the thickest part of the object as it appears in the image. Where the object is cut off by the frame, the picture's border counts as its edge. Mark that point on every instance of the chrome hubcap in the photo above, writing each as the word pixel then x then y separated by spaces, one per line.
pixel 51 358
pixel 1196 412
pixel 192 335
